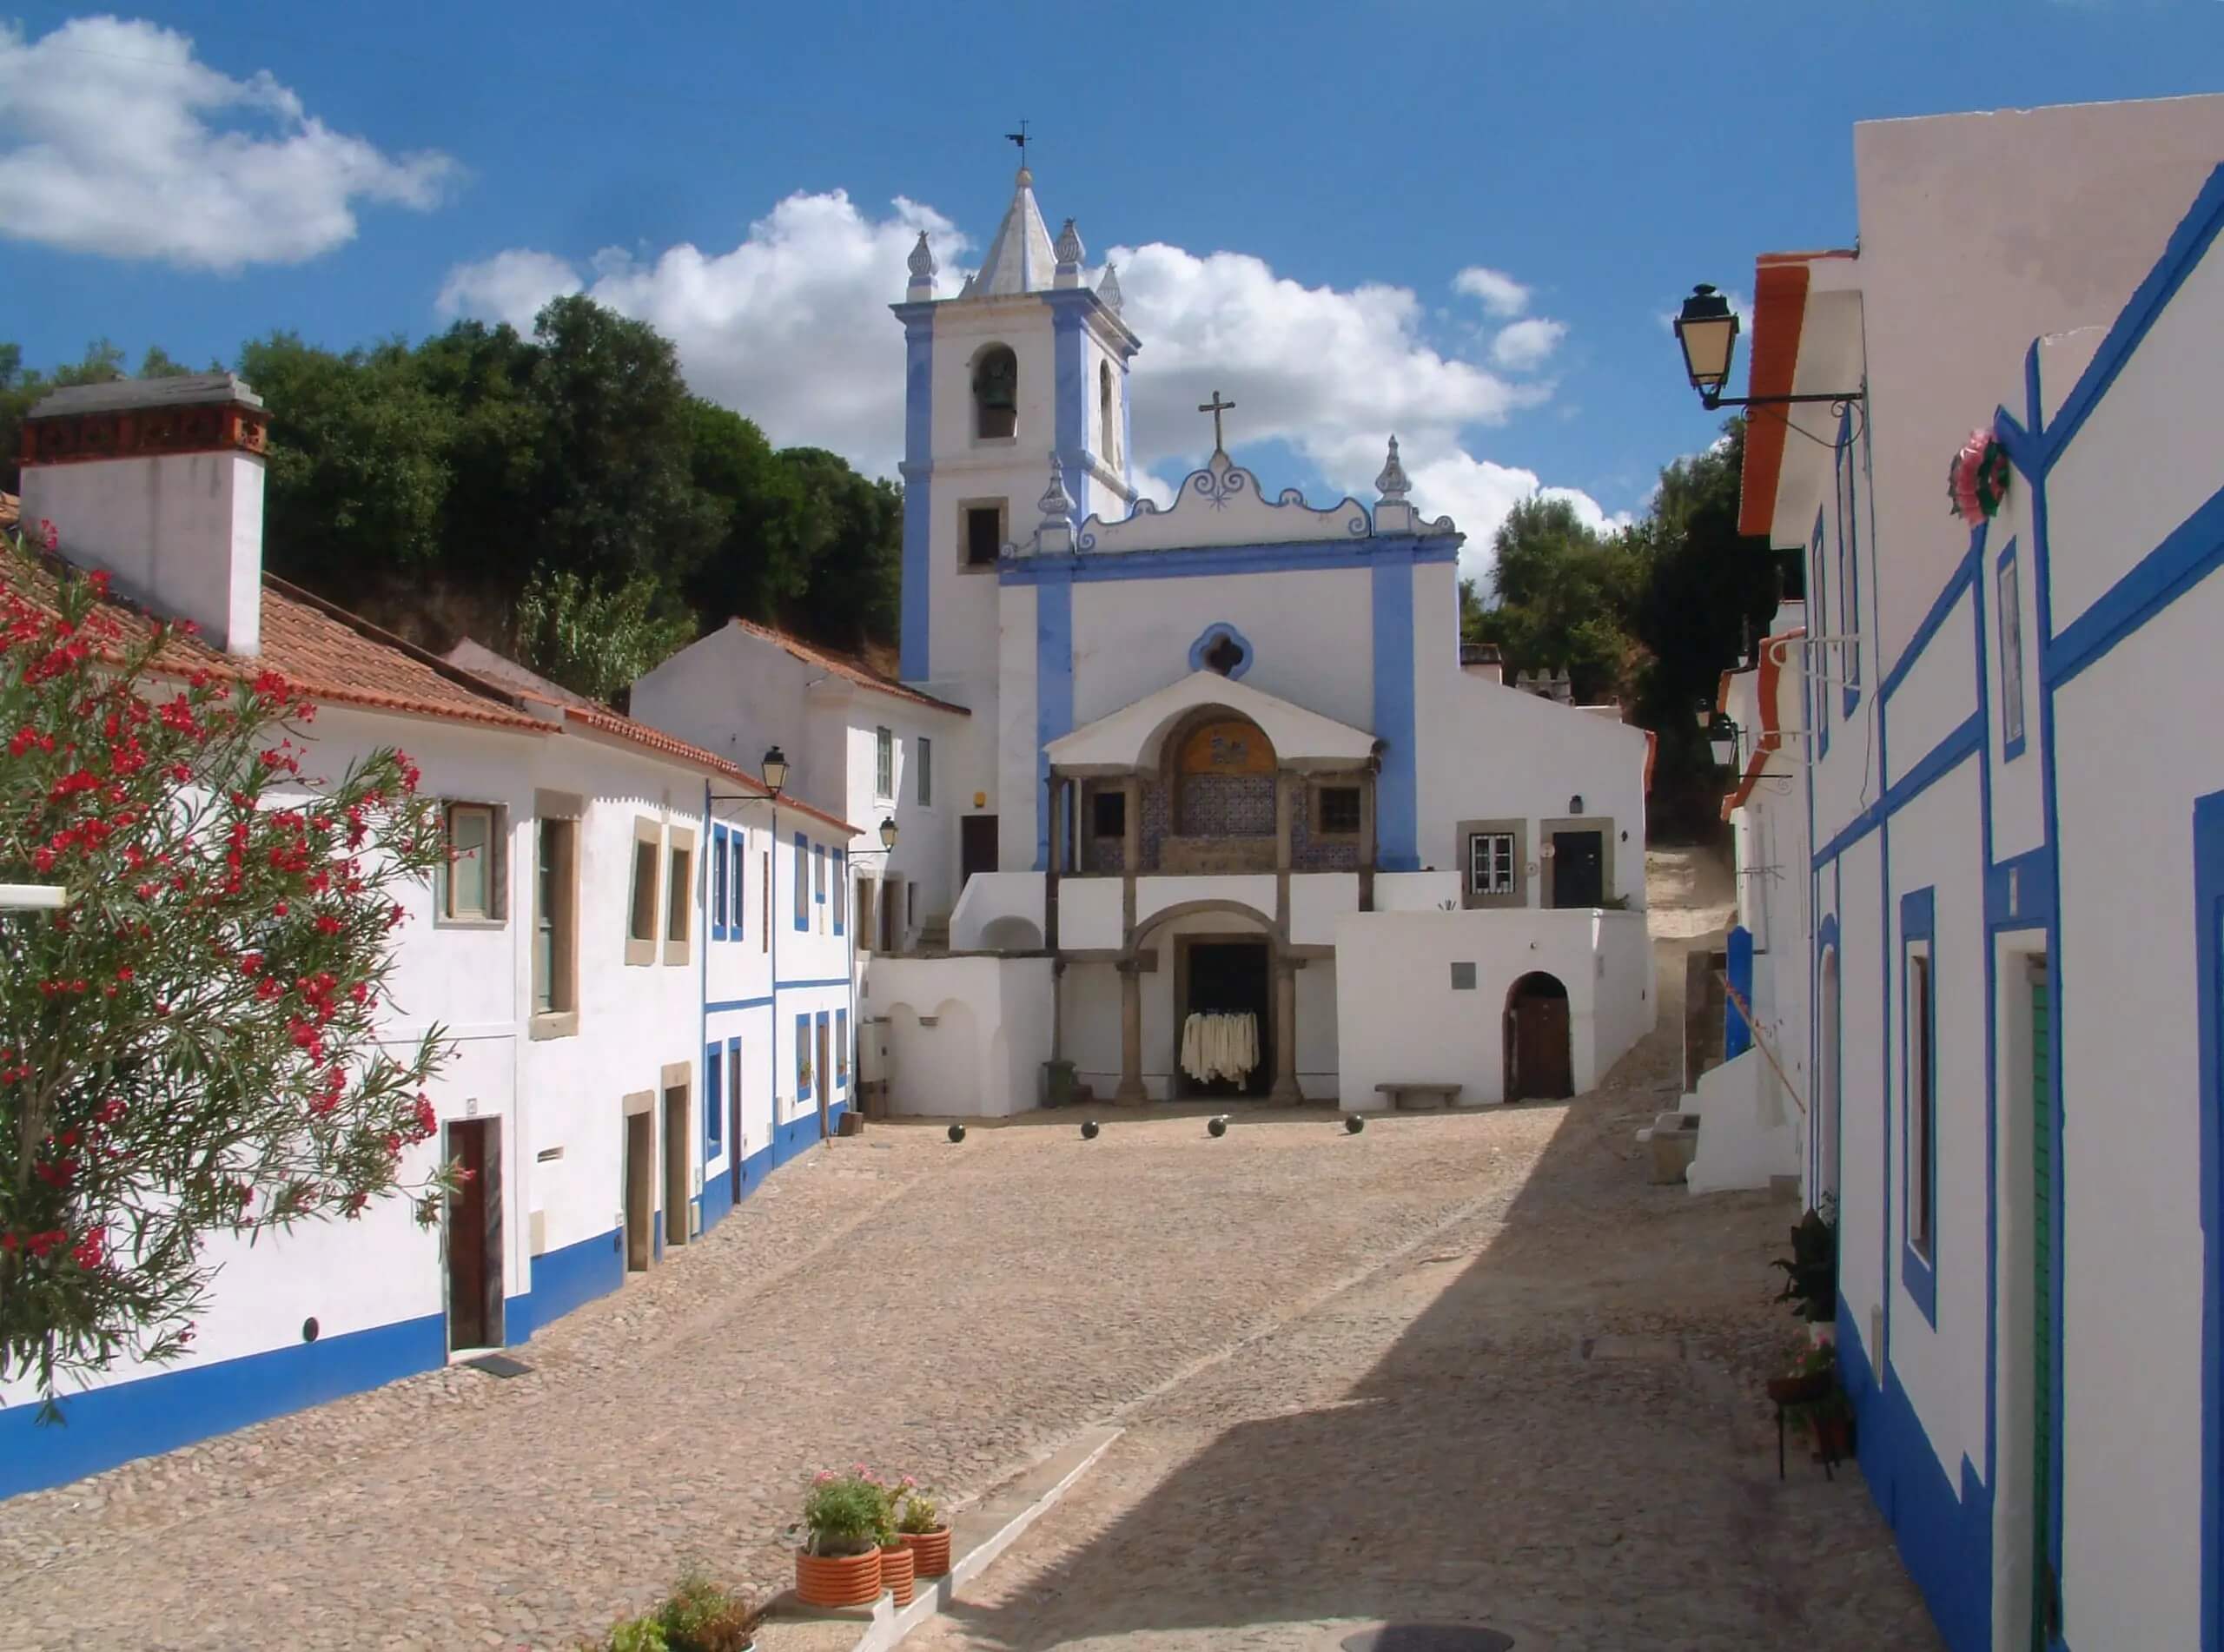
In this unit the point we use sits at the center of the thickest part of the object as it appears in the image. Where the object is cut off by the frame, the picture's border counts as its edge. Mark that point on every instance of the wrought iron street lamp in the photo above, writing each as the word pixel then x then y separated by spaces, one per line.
pixel 774 768
pixel 1707 329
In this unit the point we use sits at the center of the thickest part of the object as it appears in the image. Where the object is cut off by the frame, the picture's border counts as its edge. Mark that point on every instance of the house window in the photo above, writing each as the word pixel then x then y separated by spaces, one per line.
pixel 837 878
pixel 819 876
pixel 713 1103
pixel 679 897
pixel 923 759
pixel 764 901
pixel 985 533
pixel 2011 657
pixel 1923 1115
pixel 891 928
pixel 995 394
pixel 803 1057
pixel 803 882
pixel 641 909
pixel 471 886
pixel 1107 813
pixel 1107 422
pixel 735 883
pixel 1490 864
pixel 718 882
pixel 1335 811
pixel 554 916
pixel 883 764
pixel 841 1049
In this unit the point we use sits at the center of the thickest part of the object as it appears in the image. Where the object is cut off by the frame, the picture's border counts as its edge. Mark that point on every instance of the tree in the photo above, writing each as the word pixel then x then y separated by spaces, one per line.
pixel 595 639
pixel 190 1046
pixel 22 388
pixel 1563 593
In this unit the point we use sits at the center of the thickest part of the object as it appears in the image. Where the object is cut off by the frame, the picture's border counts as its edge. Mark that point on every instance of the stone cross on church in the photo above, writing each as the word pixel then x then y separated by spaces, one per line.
pixel 1216 407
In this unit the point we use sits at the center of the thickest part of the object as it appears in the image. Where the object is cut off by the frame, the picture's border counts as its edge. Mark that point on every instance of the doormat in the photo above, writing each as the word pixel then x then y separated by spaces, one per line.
pixel 498 1365
pixel 1427 1638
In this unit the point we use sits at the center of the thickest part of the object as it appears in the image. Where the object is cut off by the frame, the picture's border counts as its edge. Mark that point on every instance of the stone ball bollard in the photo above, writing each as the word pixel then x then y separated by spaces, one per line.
pixel 958 1132
pixel 1217 1125
pixel 1353 1125
pixel 1089 1130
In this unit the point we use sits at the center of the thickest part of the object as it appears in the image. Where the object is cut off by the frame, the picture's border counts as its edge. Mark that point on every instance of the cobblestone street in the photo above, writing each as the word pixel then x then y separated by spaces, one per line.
pixel 1353 1370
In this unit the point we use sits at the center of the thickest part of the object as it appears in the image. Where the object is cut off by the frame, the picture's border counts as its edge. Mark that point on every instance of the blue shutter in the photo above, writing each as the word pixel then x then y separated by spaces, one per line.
pixel 718 882
pixel 713 1099
pixel 803 882
pixel 803 1057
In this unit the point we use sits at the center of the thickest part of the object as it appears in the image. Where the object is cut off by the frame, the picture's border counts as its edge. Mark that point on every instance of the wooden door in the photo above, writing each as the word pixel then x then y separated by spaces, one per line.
pixel 640 1189
pixel 475 1235
pixel 976 845
pixel 1579 869
pixel 1541 1066
pixel 733 1120
pixel 823 1070
pixel 678 1160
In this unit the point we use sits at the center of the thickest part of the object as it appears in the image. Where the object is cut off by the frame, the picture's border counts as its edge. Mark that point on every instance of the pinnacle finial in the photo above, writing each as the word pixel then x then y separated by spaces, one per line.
pixel 1392 483
pixel 1070 250
pixel 1109 289
pixel 923 268
pixel 1056 504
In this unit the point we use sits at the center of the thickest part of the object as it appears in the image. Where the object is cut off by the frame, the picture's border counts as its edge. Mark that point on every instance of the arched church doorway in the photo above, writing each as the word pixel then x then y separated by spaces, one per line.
pixel 1539 1065
pixel 1223 988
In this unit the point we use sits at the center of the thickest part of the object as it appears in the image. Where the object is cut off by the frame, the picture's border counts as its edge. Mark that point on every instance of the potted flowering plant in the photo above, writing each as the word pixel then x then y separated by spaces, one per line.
pixel 837 1564
pixel 920 1529
pixel 897 1571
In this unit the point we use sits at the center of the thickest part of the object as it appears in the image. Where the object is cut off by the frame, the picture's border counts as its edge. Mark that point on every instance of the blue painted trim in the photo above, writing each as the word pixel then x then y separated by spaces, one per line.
pixel 1964 741
pixel 1054 695
pixel 2006 565
pixel 1397 784
pixel 841 1050
pixel 725 1004
pixel 799 985
pixel 1737 1036
pixel 1069 406
pixel 737 885
pixel 2208 1012
pixel 802 891
pixel 1918 1272
pixel 804 1076
pixel 1212 635
pixel 1849 565
pixel 915 625
pixel 718 882
pixel 1194 561
pixel 573 1275
pixel 714 1102
pixel 2192 551
pixel 1965 571
pixel 818 875
pixel 839 869
pixel 105 1426
pixel 2189 242
pixel 1821 699
pixel 2019 891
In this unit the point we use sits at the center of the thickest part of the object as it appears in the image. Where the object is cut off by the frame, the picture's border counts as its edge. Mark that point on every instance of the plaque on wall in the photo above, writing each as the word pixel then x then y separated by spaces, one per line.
pixel 1229 747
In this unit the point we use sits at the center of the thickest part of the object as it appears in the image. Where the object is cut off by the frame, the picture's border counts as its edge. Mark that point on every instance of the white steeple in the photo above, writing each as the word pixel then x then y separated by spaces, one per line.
pixel 1020 259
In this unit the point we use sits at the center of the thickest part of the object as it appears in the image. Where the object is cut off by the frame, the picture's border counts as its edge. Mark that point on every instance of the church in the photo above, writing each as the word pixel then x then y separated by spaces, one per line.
pixel 1194 801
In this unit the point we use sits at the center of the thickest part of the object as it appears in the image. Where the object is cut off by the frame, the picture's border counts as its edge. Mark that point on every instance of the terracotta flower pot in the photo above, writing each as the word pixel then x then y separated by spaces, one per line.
pixel 895 1572
pixel 1802 1389
pixel 929 1551
pixel 837 1579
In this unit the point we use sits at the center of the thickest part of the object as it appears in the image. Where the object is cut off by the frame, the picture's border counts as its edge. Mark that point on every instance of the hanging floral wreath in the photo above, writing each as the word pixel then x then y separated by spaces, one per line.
pixel 1977 481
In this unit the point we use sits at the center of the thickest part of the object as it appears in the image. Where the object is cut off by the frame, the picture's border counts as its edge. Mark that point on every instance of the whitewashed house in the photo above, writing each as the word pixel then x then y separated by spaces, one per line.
pixel 1218 758
pixel 1756 1109
pixel 627 1026
pixel 2016 958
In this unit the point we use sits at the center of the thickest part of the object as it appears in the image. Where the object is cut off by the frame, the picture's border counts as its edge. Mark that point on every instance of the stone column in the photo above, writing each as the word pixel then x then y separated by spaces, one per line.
pixel 1131 1092
pixel 1131 839
pixel 1367 846
pixel 1284 1092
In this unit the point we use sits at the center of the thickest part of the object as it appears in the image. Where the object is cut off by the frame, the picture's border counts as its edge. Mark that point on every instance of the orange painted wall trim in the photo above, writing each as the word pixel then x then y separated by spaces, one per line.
pixel 1779 310
pixel 1771 668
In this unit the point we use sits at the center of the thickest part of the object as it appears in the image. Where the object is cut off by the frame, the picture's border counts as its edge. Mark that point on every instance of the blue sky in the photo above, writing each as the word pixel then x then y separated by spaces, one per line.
pixel 1305 183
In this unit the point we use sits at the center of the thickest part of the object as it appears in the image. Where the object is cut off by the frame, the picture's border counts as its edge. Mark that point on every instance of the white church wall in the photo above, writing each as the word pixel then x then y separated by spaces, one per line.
pixel 1016 779
pixel 1308 630
pixel 1317 1075
pixel 1317 900
pixel 967 1036
pixel 992 907
pixel 1089 1011
pixel 1158 893
pixel 1416 891
pixel 1090 914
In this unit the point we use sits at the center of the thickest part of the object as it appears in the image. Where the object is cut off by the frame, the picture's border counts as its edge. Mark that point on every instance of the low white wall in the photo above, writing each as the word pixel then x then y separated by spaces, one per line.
pixel 1316 900
pixel 1746 1130
pixel 1628 999
pixel 1155 895
pixel 967 1037
pixel 1088 913
pixel 1415 891
pixel 993 896
pixel 1399 1019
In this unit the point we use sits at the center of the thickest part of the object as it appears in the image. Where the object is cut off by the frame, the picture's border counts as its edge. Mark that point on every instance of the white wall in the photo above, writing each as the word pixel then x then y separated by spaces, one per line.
pixel 983 1056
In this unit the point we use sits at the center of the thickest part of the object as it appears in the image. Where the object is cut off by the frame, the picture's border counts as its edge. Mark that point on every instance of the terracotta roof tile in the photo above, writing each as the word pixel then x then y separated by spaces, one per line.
pixel 844 666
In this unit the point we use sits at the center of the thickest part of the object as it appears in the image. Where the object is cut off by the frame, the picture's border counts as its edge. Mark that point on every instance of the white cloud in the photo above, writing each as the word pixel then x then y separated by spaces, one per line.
pixel 108 145
pixel 792 327
pixel 1499 293
pixel 509 286
pixel 1524 345
pixel 1480 494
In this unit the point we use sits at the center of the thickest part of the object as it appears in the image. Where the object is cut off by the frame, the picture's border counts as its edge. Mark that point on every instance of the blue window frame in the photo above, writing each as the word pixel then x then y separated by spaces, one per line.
pixel 718 882
pixel 713 1103
pixel 2007 590
pixel 1821 609
pixel 803 882
pixel 803 1057
pixel 1919 1100
pixel 841 887
pixel 824 1024
pixel 1849 491
pixel 734 1070
pixel 841 1052
pixel 819 873
pixel 737 885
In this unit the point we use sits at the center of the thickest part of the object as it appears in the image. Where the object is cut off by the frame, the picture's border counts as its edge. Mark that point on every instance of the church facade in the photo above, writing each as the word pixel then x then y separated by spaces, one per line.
pixel 1222 760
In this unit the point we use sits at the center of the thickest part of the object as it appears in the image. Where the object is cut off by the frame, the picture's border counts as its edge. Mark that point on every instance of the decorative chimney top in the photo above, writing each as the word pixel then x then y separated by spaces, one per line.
pixel 923 268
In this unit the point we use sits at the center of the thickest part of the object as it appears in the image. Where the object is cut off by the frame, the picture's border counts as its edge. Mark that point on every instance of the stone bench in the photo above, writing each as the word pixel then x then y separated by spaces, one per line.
pixel 1420 1098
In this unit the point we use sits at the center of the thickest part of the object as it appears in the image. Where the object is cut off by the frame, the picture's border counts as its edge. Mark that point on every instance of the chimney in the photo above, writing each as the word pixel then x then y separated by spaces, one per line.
pixel 1481 659
pixel 160 482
